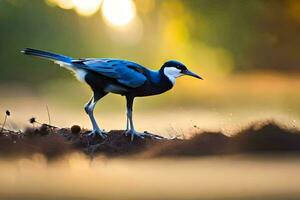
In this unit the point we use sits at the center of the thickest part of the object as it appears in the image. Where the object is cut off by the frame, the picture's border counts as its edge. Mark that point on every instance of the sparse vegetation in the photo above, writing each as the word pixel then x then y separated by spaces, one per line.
pixel 54 142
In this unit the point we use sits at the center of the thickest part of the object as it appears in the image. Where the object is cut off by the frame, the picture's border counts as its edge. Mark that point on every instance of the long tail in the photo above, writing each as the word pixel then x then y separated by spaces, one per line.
pixel 47 55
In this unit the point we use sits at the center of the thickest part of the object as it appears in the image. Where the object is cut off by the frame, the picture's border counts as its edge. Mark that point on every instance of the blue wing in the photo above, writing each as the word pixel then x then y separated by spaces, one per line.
pixel 125 72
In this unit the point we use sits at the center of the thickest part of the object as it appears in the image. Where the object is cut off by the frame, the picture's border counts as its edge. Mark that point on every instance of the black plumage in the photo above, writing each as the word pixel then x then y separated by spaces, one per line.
pixel 117 76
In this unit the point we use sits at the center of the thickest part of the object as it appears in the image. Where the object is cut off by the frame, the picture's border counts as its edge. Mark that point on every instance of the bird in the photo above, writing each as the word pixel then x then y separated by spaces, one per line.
pixel 122 77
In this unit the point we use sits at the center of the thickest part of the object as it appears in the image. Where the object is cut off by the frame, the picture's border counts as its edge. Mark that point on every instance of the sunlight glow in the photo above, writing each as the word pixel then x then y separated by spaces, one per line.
pixel 82 7
pixel 87 7
pixel 118 12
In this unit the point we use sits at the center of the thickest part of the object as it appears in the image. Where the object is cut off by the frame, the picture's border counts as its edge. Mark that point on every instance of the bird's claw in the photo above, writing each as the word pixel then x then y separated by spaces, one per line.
pixel 134 133
pixel 102 134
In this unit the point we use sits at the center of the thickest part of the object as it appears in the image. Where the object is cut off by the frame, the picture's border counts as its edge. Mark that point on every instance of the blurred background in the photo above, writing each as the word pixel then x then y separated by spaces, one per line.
pixel 248 53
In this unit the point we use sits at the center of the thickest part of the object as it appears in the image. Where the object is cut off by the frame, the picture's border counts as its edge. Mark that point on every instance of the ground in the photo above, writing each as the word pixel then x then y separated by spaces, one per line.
pixel 53 142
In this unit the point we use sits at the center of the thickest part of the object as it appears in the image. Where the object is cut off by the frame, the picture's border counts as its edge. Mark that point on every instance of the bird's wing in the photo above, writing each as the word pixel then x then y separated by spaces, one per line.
pixel 125 72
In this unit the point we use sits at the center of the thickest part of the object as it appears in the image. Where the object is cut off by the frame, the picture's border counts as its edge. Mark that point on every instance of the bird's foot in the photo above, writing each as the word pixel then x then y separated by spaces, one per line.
pixel 100 133
pixel 134 133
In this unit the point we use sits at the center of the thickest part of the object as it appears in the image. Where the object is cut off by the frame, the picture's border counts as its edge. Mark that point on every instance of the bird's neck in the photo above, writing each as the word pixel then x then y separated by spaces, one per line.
pixel 165 78
pixel 157 83
pixel 165 81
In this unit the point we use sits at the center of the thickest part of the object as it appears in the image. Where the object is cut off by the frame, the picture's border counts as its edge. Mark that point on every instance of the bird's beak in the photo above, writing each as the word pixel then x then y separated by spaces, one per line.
pixel 189 73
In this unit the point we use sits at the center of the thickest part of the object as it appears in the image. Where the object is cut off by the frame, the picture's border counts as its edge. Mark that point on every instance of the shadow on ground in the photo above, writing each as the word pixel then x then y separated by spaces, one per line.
pixel 262 137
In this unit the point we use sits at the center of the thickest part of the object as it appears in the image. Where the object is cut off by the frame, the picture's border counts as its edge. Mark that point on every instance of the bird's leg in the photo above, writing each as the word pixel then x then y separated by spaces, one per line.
pixel 127 125
pixel 128 110
pixel 130 127
pixel 89 108
pixel 86 106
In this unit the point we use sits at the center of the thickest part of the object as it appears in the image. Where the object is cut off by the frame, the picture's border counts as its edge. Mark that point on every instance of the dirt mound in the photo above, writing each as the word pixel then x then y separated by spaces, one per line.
pixel 54 142
pixel 259 137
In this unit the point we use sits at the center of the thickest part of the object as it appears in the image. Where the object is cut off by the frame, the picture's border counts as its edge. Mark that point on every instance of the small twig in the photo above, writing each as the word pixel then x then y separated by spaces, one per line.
pixel 33 121
pixel 3 124
pixel 49 119
pixel 50 126
pixel 10 131
pixel 7 113
pixel 154 135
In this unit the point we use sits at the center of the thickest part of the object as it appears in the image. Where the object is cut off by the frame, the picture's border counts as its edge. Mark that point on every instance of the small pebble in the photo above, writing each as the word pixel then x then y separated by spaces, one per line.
pixel 75 129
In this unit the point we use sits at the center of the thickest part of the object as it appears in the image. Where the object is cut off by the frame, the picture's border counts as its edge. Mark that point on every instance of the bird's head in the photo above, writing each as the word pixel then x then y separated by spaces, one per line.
pixel 174 69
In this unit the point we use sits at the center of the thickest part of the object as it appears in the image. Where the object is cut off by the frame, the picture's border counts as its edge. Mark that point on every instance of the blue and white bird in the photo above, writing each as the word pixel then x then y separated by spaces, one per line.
pixel 126 78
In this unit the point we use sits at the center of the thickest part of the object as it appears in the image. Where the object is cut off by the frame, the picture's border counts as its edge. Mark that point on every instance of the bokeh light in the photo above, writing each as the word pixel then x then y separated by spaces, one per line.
pixel 118 12
pixel 82 7
pixel 128 35
pixel 87 7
